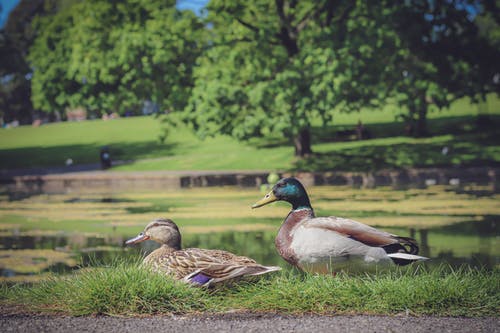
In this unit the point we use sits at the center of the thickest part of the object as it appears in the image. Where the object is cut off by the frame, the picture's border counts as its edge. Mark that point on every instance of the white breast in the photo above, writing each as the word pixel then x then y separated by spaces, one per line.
pixel 318 245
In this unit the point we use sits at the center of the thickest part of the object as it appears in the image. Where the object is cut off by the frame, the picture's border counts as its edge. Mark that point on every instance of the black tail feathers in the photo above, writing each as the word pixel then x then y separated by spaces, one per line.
pixel 404 245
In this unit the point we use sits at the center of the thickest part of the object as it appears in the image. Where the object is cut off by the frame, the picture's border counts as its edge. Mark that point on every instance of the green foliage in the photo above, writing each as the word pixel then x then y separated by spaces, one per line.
pixel 436 61
pixel 274 67
pixel 488 24
pixel 15 39
pixel 124 289
pixel 113 55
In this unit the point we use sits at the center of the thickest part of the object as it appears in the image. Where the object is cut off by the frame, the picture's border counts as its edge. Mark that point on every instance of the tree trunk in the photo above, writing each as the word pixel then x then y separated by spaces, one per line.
pixel 410 121
pixel 302 142
pixel 421 128
pixel 416 123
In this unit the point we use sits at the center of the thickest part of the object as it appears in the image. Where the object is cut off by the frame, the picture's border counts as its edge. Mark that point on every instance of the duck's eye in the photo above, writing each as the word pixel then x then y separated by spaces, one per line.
pixel 280 184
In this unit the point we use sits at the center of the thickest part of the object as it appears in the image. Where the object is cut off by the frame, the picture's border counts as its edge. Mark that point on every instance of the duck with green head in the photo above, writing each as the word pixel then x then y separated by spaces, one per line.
pixel 199 267
pixel 329 244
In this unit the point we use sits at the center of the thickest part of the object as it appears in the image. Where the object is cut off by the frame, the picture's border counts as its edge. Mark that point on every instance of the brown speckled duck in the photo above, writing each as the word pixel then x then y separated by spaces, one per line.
pixel 199 267
pixel 329 244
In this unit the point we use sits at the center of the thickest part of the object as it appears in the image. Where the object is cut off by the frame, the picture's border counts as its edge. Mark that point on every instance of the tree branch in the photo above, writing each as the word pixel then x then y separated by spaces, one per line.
pixel 287 34
pixel 328 7
pixel 306 18
pixel 281 13
pixel 342 17
pixel 247 25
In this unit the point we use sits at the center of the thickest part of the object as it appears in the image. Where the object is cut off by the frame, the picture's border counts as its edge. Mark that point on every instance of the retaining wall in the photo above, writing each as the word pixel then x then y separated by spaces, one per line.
pixel 117 181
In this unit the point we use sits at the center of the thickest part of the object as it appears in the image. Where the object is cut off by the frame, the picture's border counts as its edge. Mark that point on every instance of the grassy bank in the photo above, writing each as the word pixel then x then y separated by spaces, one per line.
pixel 136 140
pixel 126 289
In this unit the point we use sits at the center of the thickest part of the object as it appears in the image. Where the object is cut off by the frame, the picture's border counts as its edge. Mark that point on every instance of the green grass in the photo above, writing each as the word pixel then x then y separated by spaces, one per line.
pixel 126 289
pixel 121 289
pixel 136 140
pixel 130 139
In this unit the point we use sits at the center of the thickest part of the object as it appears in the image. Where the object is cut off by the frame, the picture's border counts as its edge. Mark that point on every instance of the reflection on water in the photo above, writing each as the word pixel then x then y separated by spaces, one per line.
pixel 29 255
pixel 45 234
pixel 475 243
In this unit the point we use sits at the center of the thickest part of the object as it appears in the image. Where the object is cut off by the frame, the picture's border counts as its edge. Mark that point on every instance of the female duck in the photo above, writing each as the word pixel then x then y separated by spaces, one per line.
pixel 325 244
pixel 197 266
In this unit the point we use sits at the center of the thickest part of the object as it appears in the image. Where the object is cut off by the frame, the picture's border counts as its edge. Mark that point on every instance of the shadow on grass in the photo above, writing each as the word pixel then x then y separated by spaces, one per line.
pixel 57 156
pixel 470 132
pixel 450 125
pixel 462 150
pixel 156 208
pixel 461 125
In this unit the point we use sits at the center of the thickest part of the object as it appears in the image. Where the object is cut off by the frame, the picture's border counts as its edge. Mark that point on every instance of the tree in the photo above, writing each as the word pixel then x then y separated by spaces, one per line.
pixel 276 67
pixel 14 88
pixel 443 56
pixel 15 40
pixel 113 55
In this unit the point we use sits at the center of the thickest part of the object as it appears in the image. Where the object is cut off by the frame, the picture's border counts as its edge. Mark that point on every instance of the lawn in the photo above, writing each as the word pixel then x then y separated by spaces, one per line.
pixel 136 142
pixel 128 289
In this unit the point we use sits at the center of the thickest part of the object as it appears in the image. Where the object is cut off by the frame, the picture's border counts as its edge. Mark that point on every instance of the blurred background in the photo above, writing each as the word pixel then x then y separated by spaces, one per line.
pixel 116 112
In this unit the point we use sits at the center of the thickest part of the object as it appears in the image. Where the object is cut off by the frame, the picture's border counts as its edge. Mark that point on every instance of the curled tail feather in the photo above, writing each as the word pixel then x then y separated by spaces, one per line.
pixel 402 245
pixel 409 244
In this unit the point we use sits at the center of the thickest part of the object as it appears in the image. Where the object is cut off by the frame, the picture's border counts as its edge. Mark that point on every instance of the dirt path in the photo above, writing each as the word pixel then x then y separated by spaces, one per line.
pixel 245 323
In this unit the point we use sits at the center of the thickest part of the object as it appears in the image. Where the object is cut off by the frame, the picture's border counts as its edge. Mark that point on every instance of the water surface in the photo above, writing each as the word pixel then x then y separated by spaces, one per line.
pixel 59 233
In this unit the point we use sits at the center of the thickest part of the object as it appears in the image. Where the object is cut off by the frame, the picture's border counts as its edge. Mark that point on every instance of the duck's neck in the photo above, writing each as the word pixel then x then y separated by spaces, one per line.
pixel 284 238
pixel 297 215
pixel 160 252
pixel 299 203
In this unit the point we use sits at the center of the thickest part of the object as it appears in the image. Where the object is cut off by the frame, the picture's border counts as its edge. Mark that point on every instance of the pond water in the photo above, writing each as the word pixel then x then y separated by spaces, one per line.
pixel 35 242
pixel 477 245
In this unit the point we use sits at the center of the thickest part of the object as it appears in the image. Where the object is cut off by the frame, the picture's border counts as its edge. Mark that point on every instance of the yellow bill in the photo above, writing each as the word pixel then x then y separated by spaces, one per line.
pixel 268 198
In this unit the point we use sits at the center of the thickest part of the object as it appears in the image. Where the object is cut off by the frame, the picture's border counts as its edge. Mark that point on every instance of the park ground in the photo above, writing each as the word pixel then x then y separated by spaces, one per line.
pixel 247 323
pixel 465 135
pixel 457 139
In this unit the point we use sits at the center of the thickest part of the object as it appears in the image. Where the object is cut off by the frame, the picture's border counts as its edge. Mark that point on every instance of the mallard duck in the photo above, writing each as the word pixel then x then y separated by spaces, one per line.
pixel 200 267
pixel 329 244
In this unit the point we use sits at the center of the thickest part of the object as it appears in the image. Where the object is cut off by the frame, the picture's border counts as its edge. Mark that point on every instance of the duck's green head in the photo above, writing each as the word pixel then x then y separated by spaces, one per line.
pixel 289 190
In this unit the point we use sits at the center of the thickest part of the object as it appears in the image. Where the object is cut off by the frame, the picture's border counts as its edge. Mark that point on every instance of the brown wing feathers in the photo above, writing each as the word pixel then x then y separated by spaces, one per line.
pixel 367 235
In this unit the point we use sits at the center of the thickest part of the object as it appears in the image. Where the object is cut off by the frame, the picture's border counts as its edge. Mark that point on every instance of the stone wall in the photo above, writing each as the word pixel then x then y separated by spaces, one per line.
pixel 110 181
